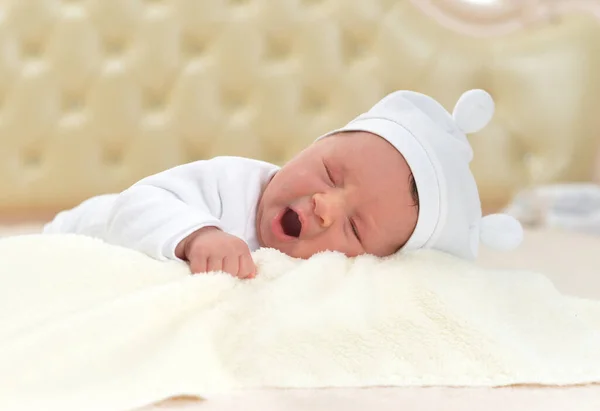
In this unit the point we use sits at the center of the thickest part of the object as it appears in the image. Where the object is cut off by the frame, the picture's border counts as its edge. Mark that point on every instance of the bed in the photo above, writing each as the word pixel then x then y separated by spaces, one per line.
pixel 96 95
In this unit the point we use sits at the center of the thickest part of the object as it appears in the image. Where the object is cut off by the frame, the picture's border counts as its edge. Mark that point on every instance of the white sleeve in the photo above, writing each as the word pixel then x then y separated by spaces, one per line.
pixel 156 213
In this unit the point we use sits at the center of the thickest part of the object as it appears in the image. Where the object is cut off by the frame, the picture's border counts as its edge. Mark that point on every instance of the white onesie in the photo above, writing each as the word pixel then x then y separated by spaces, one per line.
pixel 156 213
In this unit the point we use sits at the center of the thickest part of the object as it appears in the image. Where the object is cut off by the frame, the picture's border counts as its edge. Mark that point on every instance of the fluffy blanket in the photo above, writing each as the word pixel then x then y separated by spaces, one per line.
pixel 85 325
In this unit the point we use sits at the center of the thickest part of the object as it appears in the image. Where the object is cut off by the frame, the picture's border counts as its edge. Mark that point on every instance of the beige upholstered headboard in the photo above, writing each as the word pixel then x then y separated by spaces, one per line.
pixel 96 94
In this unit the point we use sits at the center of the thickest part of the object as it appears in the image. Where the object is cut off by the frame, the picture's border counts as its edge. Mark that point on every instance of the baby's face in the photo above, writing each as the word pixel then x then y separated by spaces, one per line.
pixel 348 192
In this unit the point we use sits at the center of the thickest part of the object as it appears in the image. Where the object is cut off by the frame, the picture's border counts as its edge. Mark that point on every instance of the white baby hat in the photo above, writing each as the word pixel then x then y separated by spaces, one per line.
pixel 435 146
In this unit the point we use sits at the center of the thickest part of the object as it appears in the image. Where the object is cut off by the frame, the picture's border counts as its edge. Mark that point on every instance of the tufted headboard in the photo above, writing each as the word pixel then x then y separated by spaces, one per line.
pixel 96 94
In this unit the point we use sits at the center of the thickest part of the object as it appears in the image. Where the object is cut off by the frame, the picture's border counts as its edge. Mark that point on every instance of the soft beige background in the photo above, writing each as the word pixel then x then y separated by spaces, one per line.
pixel 97 94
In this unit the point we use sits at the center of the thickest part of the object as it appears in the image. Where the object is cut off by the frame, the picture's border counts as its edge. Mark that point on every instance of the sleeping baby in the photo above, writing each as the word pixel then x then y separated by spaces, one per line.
pixel 395 178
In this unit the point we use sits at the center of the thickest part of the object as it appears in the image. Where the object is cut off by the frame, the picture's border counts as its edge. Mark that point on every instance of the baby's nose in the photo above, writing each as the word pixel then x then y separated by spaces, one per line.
pixel 325 220
pixel 327 208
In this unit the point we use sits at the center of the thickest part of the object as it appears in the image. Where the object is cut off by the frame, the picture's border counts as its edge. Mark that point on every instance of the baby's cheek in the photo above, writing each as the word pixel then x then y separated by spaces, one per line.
pixel 298 186
pixel 330 241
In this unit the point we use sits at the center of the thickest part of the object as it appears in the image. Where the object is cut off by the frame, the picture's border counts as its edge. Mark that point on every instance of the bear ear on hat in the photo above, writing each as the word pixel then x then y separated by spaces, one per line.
pixel 473 111
pixel 500 232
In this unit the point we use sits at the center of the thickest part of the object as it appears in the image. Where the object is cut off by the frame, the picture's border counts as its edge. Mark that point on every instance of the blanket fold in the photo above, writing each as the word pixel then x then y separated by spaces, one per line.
pixel 86 325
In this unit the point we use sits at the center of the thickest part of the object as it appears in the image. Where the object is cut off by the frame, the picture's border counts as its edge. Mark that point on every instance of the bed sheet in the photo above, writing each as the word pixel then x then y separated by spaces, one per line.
pixel 570 259
pixel 585 398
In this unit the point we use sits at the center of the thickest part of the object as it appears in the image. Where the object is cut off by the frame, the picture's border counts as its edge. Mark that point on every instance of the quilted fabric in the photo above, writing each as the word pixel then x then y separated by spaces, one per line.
pixel 97 94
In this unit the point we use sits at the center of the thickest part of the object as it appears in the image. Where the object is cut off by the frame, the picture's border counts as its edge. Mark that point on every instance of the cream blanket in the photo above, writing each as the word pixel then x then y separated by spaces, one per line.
pixel 85 325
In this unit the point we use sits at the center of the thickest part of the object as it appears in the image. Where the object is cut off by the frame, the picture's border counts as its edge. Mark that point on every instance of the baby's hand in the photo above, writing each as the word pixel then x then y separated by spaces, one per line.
pixel 210 249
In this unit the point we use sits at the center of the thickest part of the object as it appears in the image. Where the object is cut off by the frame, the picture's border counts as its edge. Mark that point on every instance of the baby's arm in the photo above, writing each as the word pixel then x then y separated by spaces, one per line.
pixel 171 215
pixel 157 213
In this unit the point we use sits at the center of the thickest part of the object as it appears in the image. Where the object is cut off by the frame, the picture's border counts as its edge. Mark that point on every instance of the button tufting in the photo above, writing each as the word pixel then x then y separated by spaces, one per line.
pixel 233 100
pixel 114 49
pixel 354 47
pixel 31 52
pixel 31 157
pixel 72 103
pixel 192 47
pixel 112 157
pixel 276 47
pixel 313 101
pixel 154 101
pixel 136 86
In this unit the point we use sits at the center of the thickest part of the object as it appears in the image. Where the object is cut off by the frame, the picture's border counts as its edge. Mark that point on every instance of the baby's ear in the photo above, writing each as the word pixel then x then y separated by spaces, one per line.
pixel 473 111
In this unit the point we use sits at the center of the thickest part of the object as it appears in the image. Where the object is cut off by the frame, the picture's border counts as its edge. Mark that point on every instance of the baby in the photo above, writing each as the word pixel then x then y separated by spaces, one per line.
pixel 395 178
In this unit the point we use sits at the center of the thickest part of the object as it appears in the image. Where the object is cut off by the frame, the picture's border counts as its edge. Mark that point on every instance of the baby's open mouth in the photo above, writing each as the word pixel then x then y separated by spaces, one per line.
pixel 290 223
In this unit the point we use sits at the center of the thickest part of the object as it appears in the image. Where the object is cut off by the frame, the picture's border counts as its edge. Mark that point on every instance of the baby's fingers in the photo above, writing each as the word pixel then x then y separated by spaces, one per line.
pixel 231 265
pixel 247 267
pixel 215 264
pixel 199 265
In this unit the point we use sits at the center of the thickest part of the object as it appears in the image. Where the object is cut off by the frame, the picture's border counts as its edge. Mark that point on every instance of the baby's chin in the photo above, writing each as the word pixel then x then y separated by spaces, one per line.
pixel 266 238
pixel 290 249
pixel 268 241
